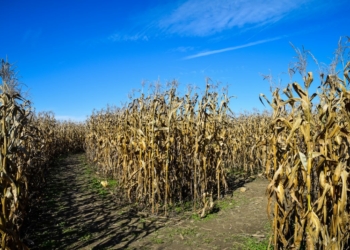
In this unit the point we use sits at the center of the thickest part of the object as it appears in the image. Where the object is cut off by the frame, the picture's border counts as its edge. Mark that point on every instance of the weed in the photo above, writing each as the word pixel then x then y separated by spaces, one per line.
pixel 208 240
pixel 112 183
pixel 224 204
pixel 157 241
pixel 195 217
pixel 68 230
pixel 62 224
pixel 48 243
pixel 254 244
pixel 86 237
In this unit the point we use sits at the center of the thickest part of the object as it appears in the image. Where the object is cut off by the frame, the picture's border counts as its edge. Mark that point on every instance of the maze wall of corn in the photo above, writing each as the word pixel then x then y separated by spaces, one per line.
pixel 165 149
pixel 29 143
pixel 309 142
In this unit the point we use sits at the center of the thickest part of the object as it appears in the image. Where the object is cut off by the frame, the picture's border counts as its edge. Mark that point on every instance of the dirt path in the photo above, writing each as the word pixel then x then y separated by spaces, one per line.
pixel 76 212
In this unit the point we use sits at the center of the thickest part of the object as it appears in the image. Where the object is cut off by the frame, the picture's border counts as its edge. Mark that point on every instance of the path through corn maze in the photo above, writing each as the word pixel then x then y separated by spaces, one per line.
pixel 75 211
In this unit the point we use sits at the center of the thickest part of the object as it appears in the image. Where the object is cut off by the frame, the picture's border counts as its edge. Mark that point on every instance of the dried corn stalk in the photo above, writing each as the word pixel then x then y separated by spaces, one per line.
pixel 309 148
pixel 166 148
pixel 28 144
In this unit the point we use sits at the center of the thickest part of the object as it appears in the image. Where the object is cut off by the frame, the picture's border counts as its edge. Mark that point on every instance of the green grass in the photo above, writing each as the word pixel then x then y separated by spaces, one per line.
pixel 112 183
pixel 187 231
pixel 86 237
pixel 96 186
pixel 48 244
pixel 196 217
pixel 225 204
pixel 157 241
pixel 88 171
pixel 254 244
pixel 250 243
pixel 95 183
pixel 68 230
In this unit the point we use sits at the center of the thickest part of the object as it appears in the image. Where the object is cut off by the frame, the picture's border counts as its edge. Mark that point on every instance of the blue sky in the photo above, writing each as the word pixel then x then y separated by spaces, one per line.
pixel 76 56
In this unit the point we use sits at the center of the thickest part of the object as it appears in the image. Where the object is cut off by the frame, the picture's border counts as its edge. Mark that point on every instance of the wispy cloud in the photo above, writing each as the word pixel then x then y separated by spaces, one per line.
pixel 205 17
pixel 211 52
pixel 120 37
pixel 208 17
pixel 140 29
pixel 182 49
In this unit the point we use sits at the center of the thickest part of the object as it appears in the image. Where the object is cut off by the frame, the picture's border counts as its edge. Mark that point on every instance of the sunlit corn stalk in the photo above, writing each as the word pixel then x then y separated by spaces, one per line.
pixel 310 159
pixel 13 182
pixel 28 145
pixel 168 148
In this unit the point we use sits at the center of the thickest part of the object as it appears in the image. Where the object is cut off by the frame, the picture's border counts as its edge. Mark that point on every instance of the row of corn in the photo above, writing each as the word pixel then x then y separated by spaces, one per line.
pixel 309 139
pixel 28 145
pixel 164 148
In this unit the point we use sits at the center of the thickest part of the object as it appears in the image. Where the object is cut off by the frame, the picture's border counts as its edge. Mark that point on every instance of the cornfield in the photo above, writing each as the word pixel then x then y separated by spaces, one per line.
pixel 29 143
pixel 309 164
pixel 164 149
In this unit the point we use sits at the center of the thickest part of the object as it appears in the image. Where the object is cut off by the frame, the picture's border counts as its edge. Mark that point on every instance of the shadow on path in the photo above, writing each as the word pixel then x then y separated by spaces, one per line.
pixel 72 215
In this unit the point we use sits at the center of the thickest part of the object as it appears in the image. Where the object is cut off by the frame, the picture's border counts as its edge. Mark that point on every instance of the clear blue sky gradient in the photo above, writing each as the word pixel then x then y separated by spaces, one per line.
pixel 76 56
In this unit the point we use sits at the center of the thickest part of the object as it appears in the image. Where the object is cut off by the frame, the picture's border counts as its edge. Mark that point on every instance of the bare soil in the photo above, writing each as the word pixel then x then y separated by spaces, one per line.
pixel 74 211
